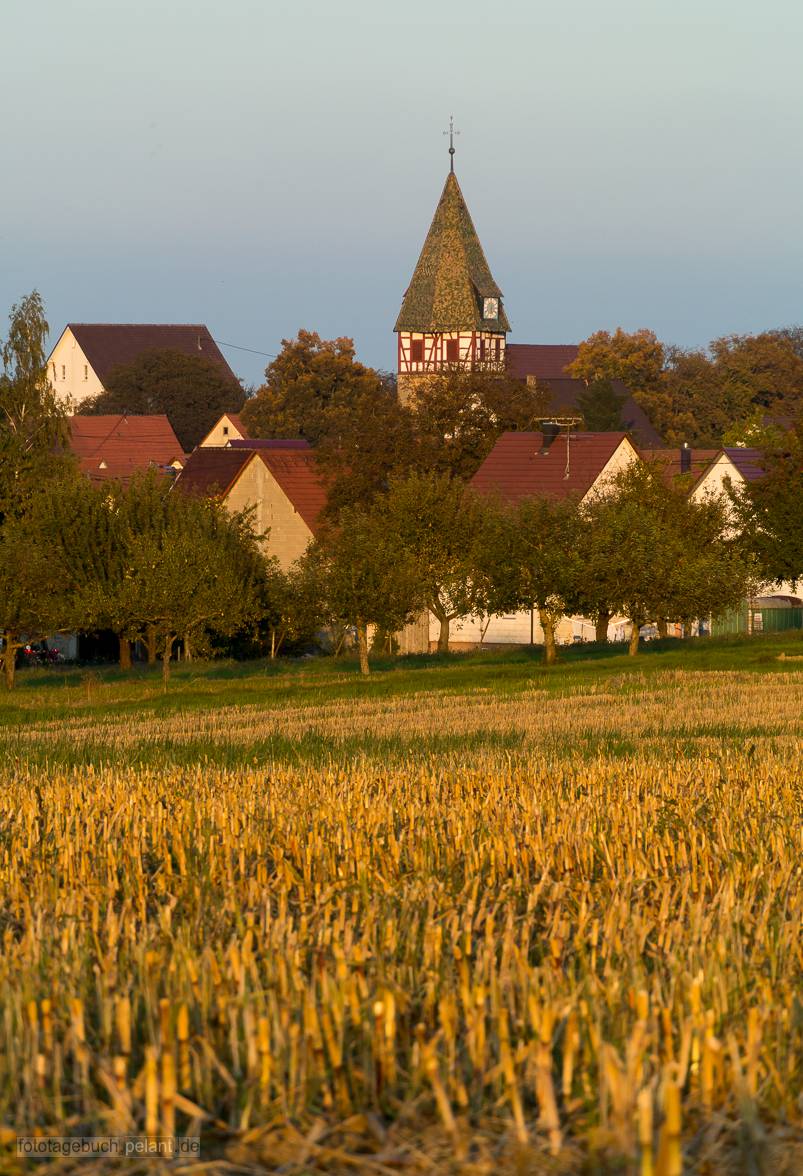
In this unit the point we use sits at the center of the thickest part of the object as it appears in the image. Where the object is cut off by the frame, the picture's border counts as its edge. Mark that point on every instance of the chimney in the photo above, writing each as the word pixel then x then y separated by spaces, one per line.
pixel 549 431
pixel 685 458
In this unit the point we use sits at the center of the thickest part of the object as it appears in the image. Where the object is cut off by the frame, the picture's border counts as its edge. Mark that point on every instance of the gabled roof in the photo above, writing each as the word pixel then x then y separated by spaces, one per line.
pixel 516 469
pixel 545 361
pixel 117 446
pixel 214 471
pixel 452 276
pixel 749 462
pixel 296 473
pixel 670 462
pixel 107 345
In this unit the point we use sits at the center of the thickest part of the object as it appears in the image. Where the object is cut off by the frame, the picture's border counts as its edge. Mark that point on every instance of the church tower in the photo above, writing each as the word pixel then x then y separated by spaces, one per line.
pixel 452 315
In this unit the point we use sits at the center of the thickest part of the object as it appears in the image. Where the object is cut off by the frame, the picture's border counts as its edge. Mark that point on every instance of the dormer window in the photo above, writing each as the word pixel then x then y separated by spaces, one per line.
pixel 490 308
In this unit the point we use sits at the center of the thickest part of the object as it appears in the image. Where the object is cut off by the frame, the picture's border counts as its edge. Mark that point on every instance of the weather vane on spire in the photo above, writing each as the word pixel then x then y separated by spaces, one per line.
pixel 451 133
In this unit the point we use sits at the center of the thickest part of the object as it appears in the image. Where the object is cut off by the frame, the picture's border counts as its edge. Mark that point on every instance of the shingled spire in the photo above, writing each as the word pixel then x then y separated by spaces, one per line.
pixel 452 316
pixel 452 279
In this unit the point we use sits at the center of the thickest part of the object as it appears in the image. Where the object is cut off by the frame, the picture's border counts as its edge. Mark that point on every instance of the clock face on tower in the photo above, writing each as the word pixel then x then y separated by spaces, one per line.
pixel 490 308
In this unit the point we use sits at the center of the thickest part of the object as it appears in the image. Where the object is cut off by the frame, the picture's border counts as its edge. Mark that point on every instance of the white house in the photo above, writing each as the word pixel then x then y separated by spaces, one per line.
pixel 85 353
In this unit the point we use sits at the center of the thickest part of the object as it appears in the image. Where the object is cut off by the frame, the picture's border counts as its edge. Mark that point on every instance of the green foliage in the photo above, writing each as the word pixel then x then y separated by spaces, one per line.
pixel 601 407
pixel 459 416
pixel 437 524
pixel 193 391
pixel 365 577
pixel 651 553
pixel 32 430
pixel 701 396
pixel 770 511
pixel 530 558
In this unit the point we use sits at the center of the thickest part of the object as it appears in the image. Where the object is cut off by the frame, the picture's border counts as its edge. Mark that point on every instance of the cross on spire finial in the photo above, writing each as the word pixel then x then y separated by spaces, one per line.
pixel 451 133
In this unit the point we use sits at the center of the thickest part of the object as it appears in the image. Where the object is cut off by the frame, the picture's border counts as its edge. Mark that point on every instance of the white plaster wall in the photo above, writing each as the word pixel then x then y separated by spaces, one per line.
pixel 224 431
pixel 70 374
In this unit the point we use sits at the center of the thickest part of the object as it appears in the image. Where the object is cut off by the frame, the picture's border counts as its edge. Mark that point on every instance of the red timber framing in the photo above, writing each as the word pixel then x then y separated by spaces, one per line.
pixel 469 350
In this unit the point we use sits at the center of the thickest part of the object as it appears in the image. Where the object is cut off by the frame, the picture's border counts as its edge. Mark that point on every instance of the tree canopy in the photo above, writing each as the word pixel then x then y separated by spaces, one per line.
pixel 193 391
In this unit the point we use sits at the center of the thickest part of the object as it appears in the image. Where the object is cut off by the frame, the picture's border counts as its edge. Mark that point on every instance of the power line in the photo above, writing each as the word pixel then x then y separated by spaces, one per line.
pixel 270 355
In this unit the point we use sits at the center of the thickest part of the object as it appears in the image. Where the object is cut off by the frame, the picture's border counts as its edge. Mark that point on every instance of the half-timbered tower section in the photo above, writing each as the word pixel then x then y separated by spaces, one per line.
pixel 452 314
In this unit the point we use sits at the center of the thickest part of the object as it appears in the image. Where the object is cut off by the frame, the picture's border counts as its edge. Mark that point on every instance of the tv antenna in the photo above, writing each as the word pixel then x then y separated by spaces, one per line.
pixel 551 428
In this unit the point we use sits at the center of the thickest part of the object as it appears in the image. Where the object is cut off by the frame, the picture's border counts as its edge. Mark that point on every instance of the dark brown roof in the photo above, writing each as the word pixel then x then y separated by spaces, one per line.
pixel 107 345
pixel 516 469
pixel 452 276
pixel 214 471
pixel 545 361
pixel 749 462
pixel 116 446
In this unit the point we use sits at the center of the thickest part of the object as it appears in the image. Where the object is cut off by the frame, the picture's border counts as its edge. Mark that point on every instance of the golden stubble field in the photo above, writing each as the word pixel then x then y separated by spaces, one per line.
pixel 529 961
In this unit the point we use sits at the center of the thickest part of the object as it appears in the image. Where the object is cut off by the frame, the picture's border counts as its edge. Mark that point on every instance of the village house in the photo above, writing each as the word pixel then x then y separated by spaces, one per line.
pixel 549 464
pixel 115 447
pixel 229 428
pixel 85 353
pixel 277 480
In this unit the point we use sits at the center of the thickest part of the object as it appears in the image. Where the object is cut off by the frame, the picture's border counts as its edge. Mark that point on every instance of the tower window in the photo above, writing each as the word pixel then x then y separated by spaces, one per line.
pixel 452 350
pixel 417 351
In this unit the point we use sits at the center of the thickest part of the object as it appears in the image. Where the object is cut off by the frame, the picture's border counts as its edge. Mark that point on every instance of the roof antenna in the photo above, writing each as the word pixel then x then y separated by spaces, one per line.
pixel 451 133
pixel 551 426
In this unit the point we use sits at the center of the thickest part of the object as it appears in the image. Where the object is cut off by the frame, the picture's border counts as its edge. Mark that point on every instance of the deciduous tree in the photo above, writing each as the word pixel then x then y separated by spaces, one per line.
pixel 193 391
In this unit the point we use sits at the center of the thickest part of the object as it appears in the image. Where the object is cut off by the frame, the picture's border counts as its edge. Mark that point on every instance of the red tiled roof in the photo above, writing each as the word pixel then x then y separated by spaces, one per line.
pixel 107 345
pixel 215 470
pixel 545 361
pixel 116 446
pixel 669 460
pixel 296 473
pixel 516 469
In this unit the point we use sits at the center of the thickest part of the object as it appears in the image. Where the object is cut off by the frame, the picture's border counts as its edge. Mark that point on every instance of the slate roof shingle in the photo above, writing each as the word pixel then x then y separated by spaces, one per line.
pixel 452 276
pixel 108 345
pixel 516 469
pixel 117 446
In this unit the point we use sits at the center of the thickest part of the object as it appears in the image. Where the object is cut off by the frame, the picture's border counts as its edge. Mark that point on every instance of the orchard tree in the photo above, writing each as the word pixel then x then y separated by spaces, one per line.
pixel 201 571
pixel 365 578
pixel 650 553
pixel 193 391
pixel 436 523
pixel 530 558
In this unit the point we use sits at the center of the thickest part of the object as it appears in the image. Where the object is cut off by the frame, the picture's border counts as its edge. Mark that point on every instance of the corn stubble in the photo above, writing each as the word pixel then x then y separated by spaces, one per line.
pixel 525 966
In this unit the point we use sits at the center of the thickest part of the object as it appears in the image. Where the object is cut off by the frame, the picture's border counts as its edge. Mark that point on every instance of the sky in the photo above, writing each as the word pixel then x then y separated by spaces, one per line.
pixel 263 166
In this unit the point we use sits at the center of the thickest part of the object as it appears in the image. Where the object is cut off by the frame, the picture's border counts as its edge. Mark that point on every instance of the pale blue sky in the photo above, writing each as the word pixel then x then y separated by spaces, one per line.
pixel 262 165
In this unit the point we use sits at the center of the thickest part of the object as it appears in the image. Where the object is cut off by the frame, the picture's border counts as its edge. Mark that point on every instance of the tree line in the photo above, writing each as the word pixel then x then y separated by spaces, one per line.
pixel 403 532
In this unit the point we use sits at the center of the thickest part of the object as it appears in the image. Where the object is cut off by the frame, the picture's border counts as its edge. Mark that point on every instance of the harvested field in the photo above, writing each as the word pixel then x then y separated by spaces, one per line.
pixel 572 947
